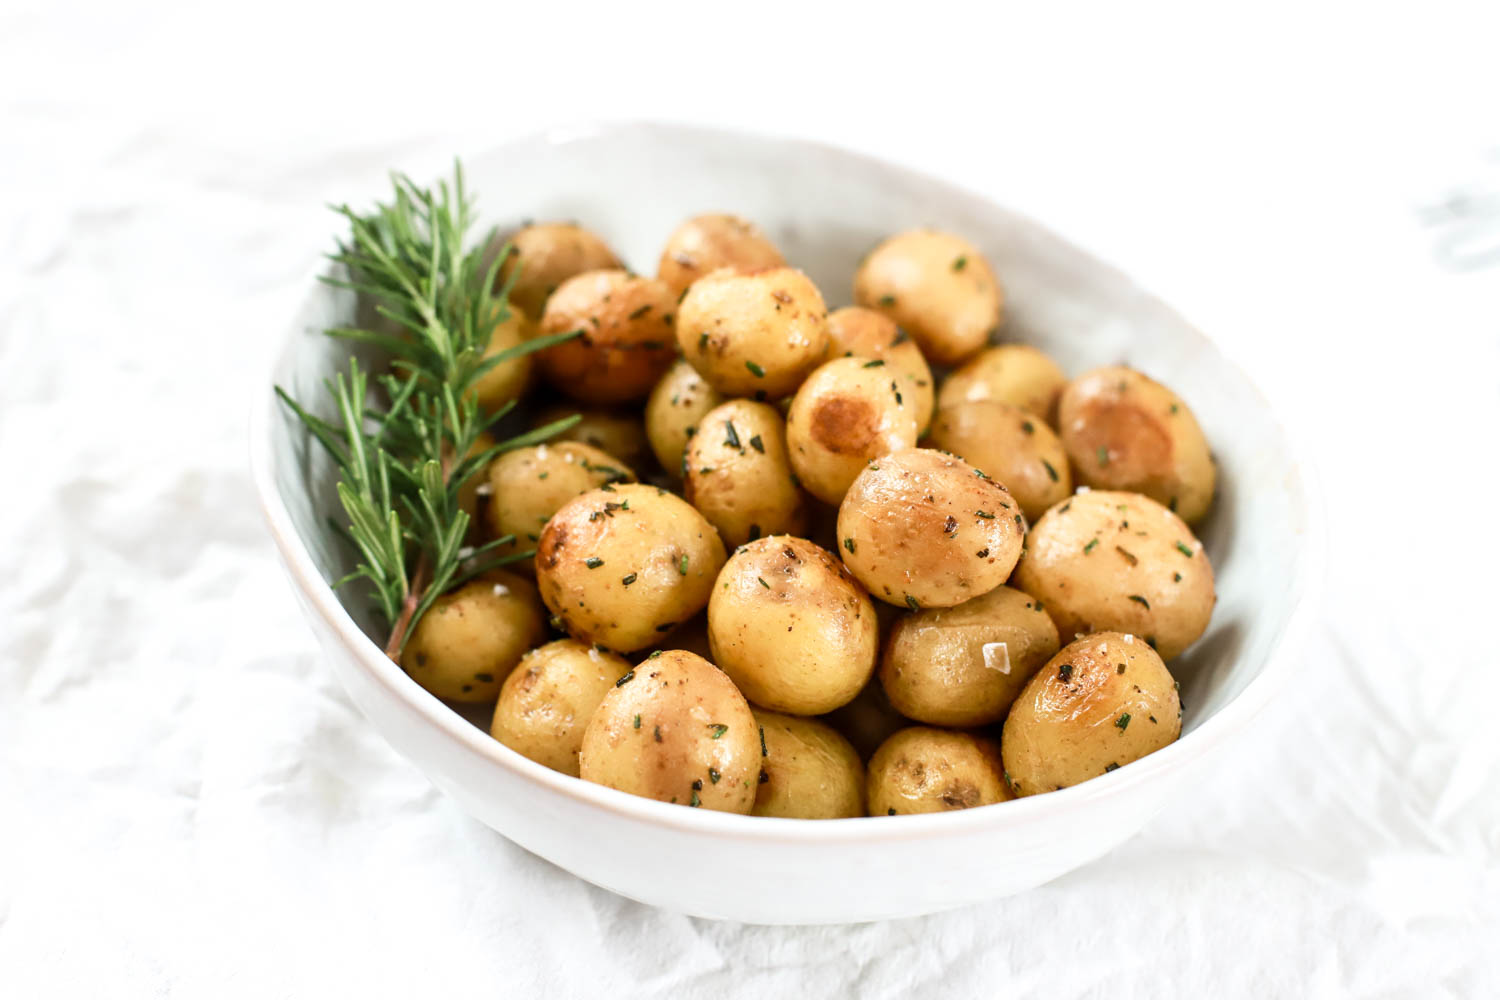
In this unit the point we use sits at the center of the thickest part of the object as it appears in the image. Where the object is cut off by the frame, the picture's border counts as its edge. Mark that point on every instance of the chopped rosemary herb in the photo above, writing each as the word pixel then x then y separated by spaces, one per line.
pixel 1051 472
pixel 984 514
pixel 1122 721
pixel 1065 672
pixel 714 775
pixel 763 582
pixel 1111 767
pixel 887 301
pixel 682 565
pixel 763 752
pixel 593 562
pixel 849 544
pixel 1137 598
pixel 758 444
pixel 638 313
pixel 732 437
pixel 877 363
pixel 1028 427
pixel 1184 550
pixel 960 262
pixel 1103 454
pixel 626 678
pixel 1090 546
pixel 702 341
pixel 628 579
pixel 755 369
pixel 717 729
pixel 637 723
pixel 911 602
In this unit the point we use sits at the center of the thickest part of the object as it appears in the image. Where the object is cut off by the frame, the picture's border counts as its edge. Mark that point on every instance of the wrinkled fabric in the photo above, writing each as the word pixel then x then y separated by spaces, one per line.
pixel 189 806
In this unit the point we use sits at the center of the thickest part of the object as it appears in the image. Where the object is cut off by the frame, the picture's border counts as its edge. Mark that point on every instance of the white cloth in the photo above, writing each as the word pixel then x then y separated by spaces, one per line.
pixel 189 806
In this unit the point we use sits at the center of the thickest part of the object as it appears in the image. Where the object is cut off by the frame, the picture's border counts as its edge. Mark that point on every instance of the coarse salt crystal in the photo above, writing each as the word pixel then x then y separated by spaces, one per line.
pixel 500 590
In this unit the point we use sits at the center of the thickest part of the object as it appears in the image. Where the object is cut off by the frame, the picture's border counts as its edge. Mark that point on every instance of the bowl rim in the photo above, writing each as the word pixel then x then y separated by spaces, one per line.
pixel 486 751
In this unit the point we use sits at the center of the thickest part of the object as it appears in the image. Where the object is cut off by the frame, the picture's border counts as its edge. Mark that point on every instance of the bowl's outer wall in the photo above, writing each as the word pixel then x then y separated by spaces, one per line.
pixel 825 208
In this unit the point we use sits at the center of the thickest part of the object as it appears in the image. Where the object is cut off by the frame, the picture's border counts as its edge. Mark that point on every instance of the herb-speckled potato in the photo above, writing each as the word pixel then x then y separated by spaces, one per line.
pixel 1104 560
pixel 810 771
pixel 627 338
pixel 849 411
pixel 738 476
pixel 1125 431
pixel 859 332
pixel 753 334
pixel 1100 703
pixel 936 286
pixel 963 666
pixel 623 565
pixel 675 729
pixel 791 627
pixel 469 640
pixel 924 529
pixel 1011 445
pixel 548 699
pixel 922 770
pixel 507 381
pixel 705 243
pixel 1011 373
pixel 548 254
pixel 617 430
pixel 673 411
pixel 526 487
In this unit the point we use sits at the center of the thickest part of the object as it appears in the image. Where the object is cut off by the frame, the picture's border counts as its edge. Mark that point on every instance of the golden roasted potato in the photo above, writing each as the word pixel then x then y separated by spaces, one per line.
pixel 627 338
pixel 1100 703
pixel 705 243
pixel 936 286
pixel 849 411
pixel 809 771
pixel 1124 431
pixel 738 475
pixel 675 729
pixel 507 381
pixel 616 430
pixel 1010 444
pixel 1011 373
pixel 526 487
pixel 470 639
pixel 548 699
pixel 854 331
pixel 922 770
pixel 548 254
pixel 926 530
pixel 963 666
pixel 673 411
pixel 1104 560
pixel 624 565
pixel 753 334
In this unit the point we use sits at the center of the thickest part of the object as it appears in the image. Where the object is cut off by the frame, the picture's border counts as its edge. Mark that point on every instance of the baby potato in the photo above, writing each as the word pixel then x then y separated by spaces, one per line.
pixel 1100 703
pixel 849 411
pixel 618 431
pixel 963 666
pixel 626 344
pixel 809 771
pixel 791 627
pixel 527 486
pixel 1010 444
pixel 868 720
pixel 548 699
pixel 673 411
pixel 675 729
pixel 922 770
pixel 548 254
pixel 753 334
pixel 1120 561
pixel 507 381
pixel 1124 431
pixel 865 333
pixel 738 476
pixel 1011 373
pixel 935 285
pixel 624 565
pixel 927 530
pixel 468 641
pixel 705 243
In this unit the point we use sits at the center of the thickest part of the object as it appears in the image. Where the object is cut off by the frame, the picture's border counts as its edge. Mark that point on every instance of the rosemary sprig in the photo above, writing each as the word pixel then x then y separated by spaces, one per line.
pixel 401 466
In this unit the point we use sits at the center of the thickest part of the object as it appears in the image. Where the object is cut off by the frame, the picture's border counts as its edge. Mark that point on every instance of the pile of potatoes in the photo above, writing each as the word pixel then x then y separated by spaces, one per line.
pixel 783 568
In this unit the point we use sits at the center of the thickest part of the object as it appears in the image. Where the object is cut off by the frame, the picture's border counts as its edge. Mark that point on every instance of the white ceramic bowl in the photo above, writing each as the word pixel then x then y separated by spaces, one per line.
pixel 824 207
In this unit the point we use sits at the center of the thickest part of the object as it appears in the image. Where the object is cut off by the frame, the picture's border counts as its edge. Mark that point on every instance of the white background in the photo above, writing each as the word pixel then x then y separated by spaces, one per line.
pixel 188 805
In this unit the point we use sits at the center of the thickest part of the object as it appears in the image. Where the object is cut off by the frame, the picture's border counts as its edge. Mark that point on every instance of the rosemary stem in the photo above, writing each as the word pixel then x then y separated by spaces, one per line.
pixel 414 595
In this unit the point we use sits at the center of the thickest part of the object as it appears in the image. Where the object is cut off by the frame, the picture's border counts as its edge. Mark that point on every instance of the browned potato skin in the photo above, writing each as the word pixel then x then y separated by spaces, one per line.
pixel 631 530
pixel 922 770
pixel 627 338
pixel 508 380
pixel 1107 560
pixel 673 412
pixel 705 243
pixel 913 530
pixel 470 639
pixel 672 755
pixel 811 772
pixel 617 430
pixel 528 485
pixel 732 325
pixel 746 489
pixel 791 627
pixel 1011 373
pixel 548 699
pixel 963 666
pixel 865 333
pixel 1011 445
pixel 843 416
pixel 548 254
pixel 1125 431
pixel 935 285
pixel 1070 723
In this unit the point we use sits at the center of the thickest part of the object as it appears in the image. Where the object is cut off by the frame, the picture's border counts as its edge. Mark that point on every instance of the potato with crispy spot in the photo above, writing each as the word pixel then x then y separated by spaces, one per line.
pixel 922 770
pixel 548 254
pixel 469 640
pixel 626 337
pixel 705 243
pixel 809 771
pixel 1125 431
pixel 673 411
pixel 858 332
pixel 675 729
pixel 526 487
pixel 616 430
pixel 1100 703
pixel 548 699
pixel 1011 373
pixel 738 475
pixel 848 412
pixel 755 334
pixel 935 285
pixel 1010 445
